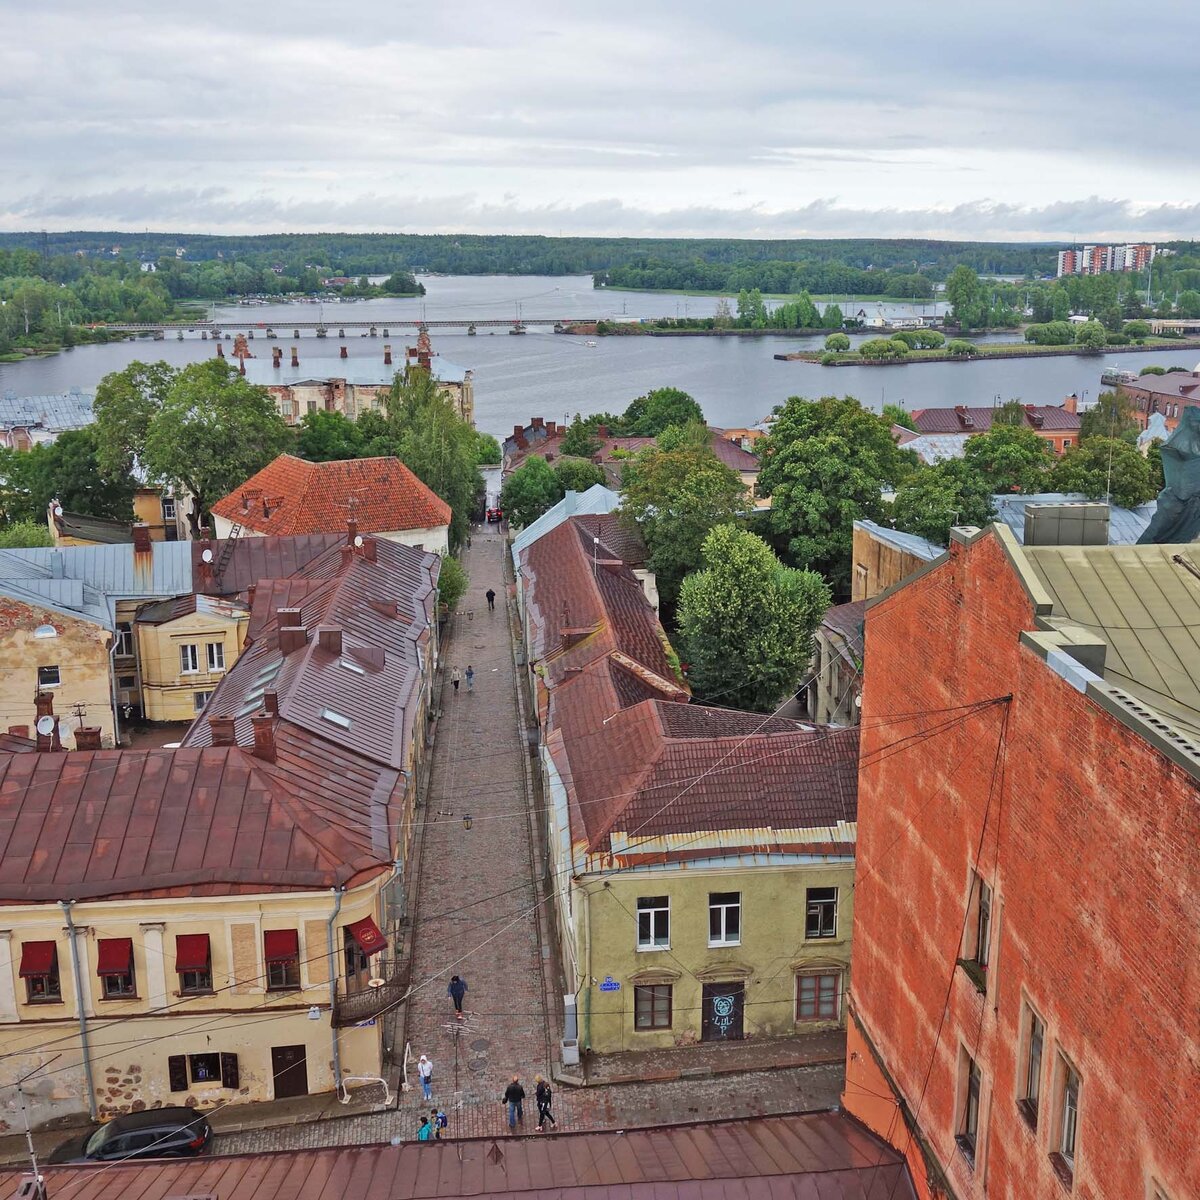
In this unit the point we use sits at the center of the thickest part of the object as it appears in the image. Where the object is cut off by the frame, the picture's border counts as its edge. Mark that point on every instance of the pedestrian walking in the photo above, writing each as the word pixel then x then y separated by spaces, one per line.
pixel 544 1095
pixel 470 678
pixel 425 1132
pixel 437 1119
pixel 491 599
pixel 455 678
pixel 514 1097
pixel 456 991
pixel 425 1071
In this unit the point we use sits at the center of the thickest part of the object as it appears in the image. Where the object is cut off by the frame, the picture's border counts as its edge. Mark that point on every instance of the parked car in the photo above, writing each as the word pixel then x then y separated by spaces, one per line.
pixel 495 516
pixel 174 1132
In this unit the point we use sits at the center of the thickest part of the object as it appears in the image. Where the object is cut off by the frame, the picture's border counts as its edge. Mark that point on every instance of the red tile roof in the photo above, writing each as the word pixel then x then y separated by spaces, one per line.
pixel 966 419
pixel 306 497
pixel 815 1156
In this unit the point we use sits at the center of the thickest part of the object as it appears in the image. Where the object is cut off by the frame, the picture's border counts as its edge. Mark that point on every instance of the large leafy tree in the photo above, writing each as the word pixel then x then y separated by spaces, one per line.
pixel 968 298
pixel 1104 466
pixel 649 415
pixel 212 431
pixel 577 474
pixel 1111 416
pixel 1011 458
pixel 580 439
pixel 825 463
pixel 675 492
pixel 746 621
pixel 328 436
pixel 126 402
pixel 936 498
pixel 529 491
pixel 23 534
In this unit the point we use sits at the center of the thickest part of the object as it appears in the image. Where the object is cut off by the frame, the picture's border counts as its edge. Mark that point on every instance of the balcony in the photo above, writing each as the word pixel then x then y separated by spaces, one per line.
pixel 358 1001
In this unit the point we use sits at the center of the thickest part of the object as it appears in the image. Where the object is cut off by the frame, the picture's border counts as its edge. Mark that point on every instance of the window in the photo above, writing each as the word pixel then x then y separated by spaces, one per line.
pixel 205 1068
pixel 168 508
pixel 819 996
pixel 189 659
pixel 724 918
pixel 193 961
pixel 281 951
pixel 114 965
pixel 968 1124
pixel 1066 443
pixel 652 1007
pixel 39 969
pixel 199 700
pixel 356 959
pixel 1031 1071
pixel 48 677
pixel 1068 1121
pixel 312 406
pixel 125 682
pixel 654 923
pixel 124 642
pixel 983 922
pixel 216 656
pixel 821 913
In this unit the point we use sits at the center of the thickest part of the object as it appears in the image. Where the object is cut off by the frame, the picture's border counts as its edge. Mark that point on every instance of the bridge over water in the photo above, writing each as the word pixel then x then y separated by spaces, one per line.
pixel 270 329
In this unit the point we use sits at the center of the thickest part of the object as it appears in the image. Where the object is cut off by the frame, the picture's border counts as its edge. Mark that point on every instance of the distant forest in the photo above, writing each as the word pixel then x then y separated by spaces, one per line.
pixel 716 264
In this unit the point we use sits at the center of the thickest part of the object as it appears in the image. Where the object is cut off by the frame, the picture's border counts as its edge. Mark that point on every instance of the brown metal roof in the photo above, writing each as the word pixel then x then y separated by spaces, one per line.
pixel 817 1156
pixel 255 558
pixel 967 419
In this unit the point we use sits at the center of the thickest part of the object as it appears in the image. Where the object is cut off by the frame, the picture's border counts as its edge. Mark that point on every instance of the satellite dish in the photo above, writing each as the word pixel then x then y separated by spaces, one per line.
pixel 206 555
pixel 375 983
pixel 45 726
pixel 45 631
pixel 358 539
pixel 58 510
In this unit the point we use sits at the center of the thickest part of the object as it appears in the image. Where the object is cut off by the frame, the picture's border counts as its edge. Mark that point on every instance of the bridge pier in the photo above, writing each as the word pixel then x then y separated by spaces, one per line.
pixel 385 332
pixel 249 333
pixel 374 332
pixel 179 336
pixel 321 331
pixel 204 335
pixel 270 333
pixel 342 334
pixel 295 333
pixel 471 329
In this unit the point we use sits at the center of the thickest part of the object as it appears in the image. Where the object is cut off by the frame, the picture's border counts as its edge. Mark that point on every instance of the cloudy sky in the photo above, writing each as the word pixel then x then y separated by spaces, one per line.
pixel 1054 119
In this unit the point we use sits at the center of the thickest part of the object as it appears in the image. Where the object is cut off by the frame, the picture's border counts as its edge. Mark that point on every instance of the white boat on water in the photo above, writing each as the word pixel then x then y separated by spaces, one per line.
pixel 590 344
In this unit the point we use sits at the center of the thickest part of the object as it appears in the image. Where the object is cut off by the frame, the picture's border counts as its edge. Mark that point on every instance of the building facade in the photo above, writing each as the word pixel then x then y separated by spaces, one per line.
pixel 1167 395
pixel 1026 925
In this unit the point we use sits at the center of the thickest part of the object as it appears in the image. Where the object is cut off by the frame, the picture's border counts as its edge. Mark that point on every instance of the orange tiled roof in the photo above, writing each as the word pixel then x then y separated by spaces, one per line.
pixel 291 496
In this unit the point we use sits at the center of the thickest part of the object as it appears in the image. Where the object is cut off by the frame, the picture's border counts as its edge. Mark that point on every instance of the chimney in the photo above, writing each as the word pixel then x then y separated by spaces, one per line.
pixel 518 430
pixel 250 592
pixel 387 355
pixel 44 706
pixel 277 357
pixel 87 738
pixel 21 731
pixel 222 731
pixel 264 736
pixel 292 637
pixel 330 640
pixel 538 423
pixel 551 428
pixel 602 431
pixel 57 565
pixel 1071 403
pixel 351 531
pixel 220 350
pixel 344 353
pixel 271 702
pixel 287 616
pixel 423 360
pixel 295 357
pixel 245 503
pixel 141 538
pixel 368 549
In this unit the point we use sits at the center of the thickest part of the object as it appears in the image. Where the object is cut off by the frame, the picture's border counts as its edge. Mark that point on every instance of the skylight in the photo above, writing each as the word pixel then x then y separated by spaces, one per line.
pixel 335 718
pixel 353 666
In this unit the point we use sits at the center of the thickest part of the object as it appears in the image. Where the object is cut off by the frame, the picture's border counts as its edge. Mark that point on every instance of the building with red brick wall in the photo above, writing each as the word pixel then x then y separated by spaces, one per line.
pixel 1027 925
pixel 1167 394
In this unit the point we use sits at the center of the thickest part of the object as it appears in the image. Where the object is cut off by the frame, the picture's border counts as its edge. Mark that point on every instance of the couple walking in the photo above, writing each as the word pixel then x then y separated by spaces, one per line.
pixel 514 1098
pixel 456 678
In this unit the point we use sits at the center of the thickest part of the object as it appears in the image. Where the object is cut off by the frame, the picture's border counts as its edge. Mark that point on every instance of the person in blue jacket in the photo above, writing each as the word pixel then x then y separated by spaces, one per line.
pixel 456 991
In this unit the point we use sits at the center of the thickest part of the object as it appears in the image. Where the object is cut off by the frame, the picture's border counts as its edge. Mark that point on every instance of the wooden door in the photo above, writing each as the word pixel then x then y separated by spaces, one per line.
pixel 289 1069
pixel 724 1005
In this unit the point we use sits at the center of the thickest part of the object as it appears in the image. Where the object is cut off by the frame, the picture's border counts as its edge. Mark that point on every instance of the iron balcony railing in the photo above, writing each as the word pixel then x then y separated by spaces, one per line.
pixel 363 999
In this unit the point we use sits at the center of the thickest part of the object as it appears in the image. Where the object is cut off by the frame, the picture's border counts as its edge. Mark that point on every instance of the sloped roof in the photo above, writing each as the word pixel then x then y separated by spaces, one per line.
pixel 105 530
pixel 965 418
pixel 732 455
pixel 843 623
pixel 303 497
pixel 813 1156
pixel 1178 385
pixel 597 499
pixel 1125 525
pixel 65 410
pixel 910 543
pixel 161 611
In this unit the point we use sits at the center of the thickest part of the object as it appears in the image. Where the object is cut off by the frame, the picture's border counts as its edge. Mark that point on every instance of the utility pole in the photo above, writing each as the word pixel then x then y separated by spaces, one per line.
pixel 39 1184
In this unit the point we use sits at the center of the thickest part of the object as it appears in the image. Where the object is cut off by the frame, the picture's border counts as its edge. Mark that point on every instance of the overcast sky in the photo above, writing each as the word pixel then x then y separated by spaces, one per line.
pixel 1055 119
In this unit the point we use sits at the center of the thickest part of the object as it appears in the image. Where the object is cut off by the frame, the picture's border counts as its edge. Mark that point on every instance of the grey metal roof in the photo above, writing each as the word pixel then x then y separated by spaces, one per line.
pixel 66 410
pixel 597 499
pixel 936 447
pixel 910 543
pixel 1125 525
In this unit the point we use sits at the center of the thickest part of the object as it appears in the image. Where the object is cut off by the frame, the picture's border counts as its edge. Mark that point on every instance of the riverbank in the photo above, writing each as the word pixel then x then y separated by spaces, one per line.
pixel 1000 350
pixel 824 298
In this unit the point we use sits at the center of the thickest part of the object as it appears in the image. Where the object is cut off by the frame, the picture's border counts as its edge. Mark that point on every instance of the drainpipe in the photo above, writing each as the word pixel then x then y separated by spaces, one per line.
pixel 65 905
pixel 112 685
pixel 586 1041
pixel 333 978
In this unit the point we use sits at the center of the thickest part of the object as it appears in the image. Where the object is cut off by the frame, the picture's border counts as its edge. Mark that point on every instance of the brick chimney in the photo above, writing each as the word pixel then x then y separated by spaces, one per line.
pixel 387 355
pixel 44 706
pixel 222 731
pixel 295 357
pixel 264 736
pixel 277 357
pixel 330 640
pixel 271 701
pixel 537 423
pixel 551 428
pixel 368 549
pixel 141 538
pixel 602 431
pixel 1071 403
pixel 287 616
pixel 87 738
pixel 21 731
pixel 351 531
pixel 344 353
pixel 292 637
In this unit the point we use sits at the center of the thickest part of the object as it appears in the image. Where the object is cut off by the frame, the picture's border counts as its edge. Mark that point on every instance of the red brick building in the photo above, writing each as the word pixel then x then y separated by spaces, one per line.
pixel 1027 924
pixel 1168 394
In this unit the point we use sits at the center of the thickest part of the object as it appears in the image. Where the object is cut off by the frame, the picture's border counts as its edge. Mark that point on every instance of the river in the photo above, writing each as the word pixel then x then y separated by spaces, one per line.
pixel 736 380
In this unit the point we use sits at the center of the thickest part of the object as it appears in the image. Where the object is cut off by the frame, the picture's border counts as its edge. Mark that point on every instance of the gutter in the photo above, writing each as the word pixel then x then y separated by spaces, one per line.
pixel 83 1032
pixel 333 978
pixel 112 688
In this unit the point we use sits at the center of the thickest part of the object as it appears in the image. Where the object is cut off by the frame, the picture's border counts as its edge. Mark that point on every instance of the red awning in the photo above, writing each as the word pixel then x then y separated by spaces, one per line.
pixel 191 952
pixel 38 958
pixel 281 945
pixel 115 957
pixel 368 935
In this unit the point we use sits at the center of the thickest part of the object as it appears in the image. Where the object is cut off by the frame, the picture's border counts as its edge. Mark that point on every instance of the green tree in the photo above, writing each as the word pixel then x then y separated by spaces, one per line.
pixel 1189 303
pixel 126 402
pixel 328 436
pixel 893 414
pixel 967 297
pixel 213 431
pixel 577 474
pixel 650 414
pixel 825 463
pixel 1011 412
pixel 832 317
pixel 936 498
pixel 675 493
pixel 529 491
pixel 1111 416
pixel 960 348
pixel 452 582
pixel 580 440
pixel 1054 333
pixel 1102 466
pixel 1138 330
pixel 746 621
pixel 1091 335
pixel 1011 458
pixel 487 450
pixel 25 534
pixel 837 341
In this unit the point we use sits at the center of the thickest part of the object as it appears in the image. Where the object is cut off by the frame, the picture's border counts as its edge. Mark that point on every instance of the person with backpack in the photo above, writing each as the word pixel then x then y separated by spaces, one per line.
pixel 437 1119
pixel 544 1095
pixel 456 991
pixel 514 1097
